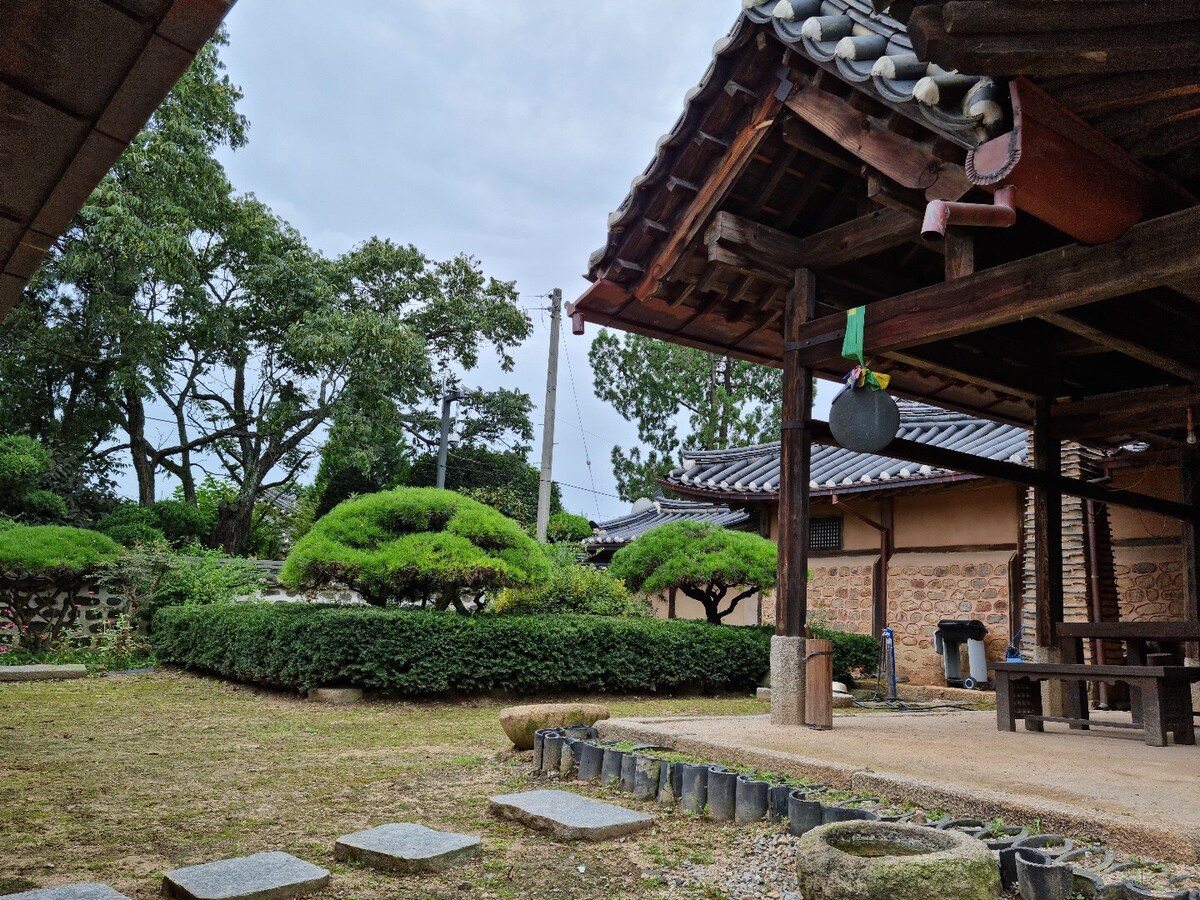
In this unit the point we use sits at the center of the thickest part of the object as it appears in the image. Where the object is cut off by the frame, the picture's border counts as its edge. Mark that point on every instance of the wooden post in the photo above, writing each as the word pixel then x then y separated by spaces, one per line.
pixel 1047 523
pixel 788 660
pixel 818 684
pixel 791 593
pixel 1189 472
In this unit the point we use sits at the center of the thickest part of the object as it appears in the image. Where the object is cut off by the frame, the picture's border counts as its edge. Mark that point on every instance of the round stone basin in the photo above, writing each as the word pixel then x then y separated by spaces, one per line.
pixel 876 860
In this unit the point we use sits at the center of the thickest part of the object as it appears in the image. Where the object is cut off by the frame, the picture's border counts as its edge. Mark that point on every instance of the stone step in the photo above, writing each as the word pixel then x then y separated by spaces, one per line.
pixel 42 673
pixel 89 891
pixel 569 816
pixel 406 847
pixel 262 876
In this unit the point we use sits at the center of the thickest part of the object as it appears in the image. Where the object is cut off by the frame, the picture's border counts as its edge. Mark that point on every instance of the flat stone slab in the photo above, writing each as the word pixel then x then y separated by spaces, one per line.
pixel 42 673
pixel 405 847
pixel 261 876
pixel 90 891
pixel 569 816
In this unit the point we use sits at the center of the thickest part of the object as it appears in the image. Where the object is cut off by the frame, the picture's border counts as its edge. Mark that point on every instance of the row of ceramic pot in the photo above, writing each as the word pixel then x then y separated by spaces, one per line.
pixel 1044 866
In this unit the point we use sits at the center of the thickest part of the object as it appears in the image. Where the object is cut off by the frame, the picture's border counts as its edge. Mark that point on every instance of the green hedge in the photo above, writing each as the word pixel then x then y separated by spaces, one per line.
pixel 301 646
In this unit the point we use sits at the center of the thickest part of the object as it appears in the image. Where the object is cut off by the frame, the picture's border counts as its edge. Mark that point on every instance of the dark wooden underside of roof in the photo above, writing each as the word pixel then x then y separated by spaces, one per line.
pixel 833 182
pixel 78 80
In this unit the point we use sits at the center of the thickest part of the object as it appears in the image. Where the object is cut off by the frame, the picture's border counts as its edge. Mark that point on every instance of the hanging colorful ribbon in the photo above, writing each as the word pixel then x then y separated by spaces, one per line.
pixel 852 349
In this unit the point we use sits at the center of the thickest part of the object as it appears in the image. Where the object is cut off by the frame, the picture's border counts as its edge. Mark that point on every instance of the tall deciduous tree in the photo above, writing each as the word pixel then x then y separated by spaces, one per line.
pixel 680 398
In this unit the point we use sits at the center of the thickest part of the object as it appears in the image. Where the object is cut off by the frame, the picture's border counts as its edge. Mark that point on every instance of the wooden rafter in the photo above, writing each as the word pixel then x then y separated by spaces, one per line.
pixel 1152 253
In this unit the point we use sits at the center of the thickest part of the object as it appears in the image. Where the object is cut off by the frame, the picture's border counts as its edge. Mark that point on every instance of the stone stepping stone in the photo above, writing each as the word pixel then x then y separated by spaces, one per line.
pixel 405 847
pixel 42 673
pixel 569 816
pixel 261 876
pixel 91 891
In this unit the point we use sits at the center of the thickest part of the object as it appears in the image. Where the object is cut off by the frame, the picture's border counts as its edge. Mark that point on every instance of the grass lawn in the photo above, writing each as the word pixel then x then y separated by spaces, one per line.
pixel 120 779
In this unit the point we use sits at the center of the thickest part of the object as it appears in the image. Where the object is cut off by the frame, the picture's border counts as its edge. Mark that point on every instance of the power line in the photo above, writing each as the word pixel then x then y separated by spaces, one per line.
pixel 587 456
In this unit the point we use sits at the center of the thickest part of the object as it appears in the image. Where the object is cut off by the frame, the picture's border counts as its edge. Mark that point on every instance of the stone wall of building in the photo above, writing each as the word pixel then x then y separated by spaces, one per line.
pixel 924 588
pixel 839 593
pixel 1150 582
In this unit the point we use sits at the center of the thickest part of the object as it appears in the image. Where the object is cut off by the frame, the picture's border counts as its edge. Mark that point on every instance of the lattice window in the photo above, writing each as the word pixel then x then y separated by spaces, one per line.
pixel 825 533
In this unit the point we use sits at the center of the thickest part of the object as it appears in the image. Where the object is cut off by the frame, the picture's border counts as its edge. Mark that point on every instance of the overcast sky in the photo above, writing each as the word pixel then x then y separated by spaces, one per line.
pixel 506 129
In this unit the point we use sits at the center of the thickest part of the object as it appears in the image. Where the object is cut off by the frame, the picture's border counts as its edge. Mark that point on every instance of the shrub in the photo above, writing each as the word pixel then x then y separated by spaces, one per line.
pixel 149 577
pixel 130 524
pixel 45 568
pixel 413 652
pixel 413 545
pixel 567 527
pixel 704 561
pixel 850 652
pixel 183 523
pixel 572 588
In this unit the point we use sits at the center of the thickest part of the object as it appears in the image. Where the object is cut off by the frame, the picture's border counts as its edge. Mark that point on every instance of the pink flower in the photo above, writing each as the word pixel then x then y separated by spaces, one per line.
pixel 3 648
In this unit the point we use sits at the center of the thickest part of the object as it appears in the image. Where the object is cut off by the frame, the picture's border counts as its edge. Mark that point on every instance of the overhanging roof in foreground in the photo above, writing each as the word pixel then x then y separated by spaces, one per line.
pixel 78 80
pixel 791 155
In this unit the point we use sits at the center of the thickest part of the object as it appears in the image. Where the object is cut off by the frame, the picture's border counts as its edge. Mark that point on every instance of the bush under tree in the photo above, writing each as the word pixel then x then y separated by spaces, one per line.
pixel 44 571
pixel 420 546
pixel 713 565
pixel 565 527
pixel 571 588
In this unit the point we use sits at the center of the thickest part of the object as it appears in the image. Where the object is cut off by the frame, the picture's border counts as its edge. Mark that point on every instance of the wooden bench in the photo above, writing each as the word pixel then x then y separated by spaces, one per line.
pixel 1165 693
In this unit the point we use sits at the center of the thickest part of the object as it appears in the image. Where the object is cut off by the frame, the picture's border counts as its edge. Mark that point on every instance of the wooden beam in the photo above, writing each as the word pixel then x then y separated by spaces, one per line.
pixel 1020 16
pixel 795 467
pixel 775 252
pixel 742 150
pixel 905 161
pixel 1150 254
pixel 1047 528
pixel 1015 473
pixel 1134 337
pixel 1126 413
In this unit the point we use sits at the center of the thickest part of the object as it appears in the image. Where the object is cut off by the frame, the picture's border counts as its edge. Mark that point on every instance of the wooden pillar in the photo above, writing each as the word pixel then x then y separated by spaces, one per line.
pixel 791 593
pixel 1189 472
pixel 1047 523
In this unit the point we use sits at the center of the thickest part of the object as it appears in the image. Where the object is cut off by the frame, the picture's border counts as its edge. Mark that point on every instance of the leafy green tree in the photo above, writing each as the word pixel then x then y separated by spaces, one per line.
pixel 90 345
pixel 680 398
pixel 417 546
pixel 173 522
pixel 708 563
pixel 46 568
pixel 25 465
pixel 565 527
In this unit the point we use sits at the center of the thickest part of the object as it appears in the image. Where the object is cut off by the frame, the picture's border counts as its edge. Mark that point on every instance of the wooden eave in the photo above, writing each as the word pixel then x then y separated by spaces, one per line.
pixel 701 259
pixel 78 80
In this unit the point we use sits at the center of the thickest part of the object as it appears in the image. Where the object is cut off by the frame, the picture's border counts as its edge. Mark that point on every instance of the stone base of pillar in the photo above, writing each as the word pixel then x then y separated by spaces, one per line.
pixel 1053 700
pixel 787 680
pixel 1194 663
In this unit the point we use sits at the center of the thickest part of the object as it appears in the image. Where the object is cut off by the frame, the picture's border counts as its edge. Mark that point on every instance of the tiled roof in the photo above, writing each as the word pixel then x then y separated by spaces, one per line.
pixel 868 49
pixel 872 50
pixel 664 512
pixel 755 470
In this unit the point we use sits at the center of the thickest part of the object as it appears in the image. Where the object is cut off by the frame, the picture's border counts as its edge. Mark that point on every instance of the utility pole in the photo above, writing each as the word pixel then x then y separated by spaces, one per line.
pixel 543 509
pixel 448 399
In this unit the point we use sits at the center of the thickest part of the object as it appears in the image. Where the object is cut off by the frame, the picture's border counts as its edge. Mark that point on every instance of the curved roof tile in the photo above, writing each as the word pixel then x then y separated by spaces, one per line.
pixel 755 470
pixel 664 512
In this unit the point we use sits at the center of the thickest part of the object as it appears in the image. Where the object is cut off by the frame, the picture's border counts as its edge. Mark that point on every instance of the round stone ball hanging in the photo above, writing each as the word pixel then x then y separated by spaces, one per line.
pixel 863 416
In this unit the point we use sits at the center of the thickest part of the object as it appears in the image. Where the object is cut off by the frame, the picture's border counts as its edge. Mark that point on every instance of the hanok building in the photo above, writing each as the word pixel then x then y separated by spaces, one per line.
pixel 832 157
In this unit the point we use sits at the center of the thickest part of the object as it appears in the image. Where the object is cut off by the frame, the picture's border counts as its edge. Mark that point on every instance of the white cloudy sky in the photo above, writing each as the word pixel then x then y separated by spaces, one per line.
pixel 507 129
